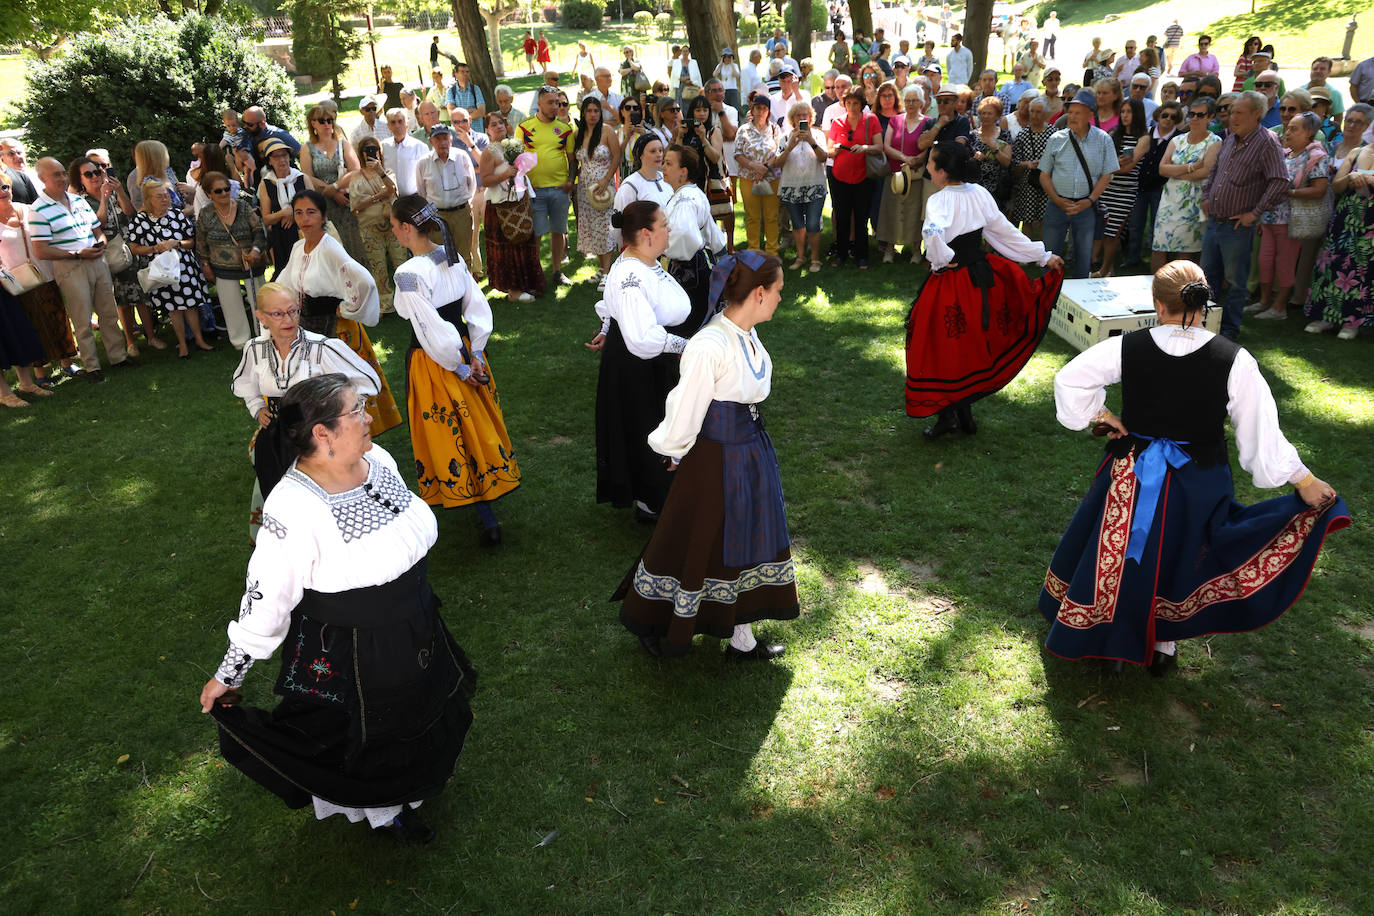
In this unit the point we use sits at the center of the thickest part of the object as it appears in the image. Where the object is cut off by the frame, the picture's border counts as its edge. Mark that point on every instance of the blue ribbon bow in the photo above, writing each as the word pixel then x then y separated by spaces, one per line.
pixel 1151 466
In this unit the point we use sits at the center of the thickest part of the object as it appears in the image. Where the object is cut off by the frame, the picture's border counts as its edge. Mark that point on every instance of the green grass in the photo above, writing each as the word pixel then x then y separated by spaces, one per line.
pixel 915 751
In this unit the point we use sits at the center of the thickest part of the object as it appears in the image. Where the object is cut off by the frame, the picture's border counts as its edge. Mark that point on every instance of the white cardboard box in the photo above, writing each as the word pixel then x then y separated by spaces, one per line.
pixel 1090 311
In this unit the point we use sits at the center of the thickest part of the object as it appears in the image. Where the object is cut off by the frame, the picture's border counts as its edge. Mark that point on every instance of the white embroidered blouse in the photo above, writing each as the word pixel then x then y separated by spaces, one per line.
pixel 263 374
pixel 957 209
pixel 644 301
pixel 427 282
pixel 329 271
pixel 690 225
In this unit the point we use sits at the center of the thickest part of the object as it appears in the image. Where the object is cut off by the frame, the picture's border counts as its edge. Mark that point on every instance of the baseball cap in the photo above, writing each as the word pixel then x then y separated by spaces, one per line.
pixel 932 68
pixel 1086 98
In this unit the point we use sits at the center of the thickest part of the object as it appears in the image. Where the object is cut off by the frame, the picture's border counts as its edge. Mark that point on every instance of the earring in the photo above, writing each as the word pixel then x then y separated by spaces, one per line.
pixel 331 453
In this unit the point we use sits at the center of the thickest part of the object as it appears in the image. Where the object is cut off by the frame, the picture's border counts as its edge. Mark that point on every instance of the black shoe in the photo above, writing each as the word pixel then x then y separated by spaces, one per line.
pixel 490 537
pixel 127 362
pixel 762 652
pixel 945 423
pixel 1162 664
pixel 650 644
pixel 408 829
pixel 964 414
pixel 94 376
pixel 645 517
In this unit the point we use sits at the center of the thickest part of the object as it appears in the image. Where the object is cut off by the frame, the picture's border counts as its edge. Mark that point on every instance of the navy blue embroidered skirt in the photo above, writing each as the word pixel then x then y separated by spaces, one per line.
pixel 1211 565
pixel 719 555
pixel 374 707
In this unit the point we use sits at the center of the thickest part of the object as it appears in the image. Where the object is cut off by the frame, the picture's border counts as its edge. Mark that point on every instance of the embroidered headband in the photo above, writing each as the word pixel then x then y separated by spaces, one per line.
pixel 425 214
pixel 724 267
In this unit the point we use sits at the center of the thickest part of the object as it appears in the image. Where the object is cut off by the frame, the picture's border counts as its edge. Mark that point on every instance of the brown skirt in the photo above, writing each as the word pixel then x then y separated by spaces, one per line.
pixel 680 585
pixel 48 316
pixel 512 268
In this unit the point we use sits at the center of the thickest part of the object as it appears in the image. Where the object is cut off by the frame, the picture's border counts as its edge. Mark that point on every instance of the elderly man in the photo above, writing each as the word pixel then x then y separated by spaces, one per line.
pixel 1127 63
pixel 260 132
pixel 932 74
pixel 1034 62
pixel 789 93
pixel 1267 86
pixel 826 98
pixel 468 142
pixel 427 114
pixel 1362 81
pixel 610 101
pixel 1013 89
pixel 401 153
pixel 370 125
pixel 551 78
pixel 447 180
pixel 550 139
pixel 1262 61
pixel 835 110
pixel 1140 91
pixel 13 156
pixel 1248 178
pixel 1075 169
pixel 959 63
pixel 464 93
pixel 64 230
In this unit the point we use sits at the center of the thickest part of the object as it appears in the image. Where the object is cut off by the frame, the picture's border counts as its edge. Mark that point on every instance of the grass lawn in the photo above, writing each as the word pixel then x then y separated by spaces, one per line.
pixel 915 751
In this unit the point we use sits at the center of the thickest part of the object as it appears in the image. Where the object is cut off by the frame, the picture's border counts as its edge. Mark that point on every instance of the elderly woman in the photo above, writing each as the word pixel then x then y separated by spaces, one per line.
pixel 852 138
pixel 1353 126
pixel 693 236
pixel 991 146
pixel 1109 103
pixel 757 155
pixel 1293 102
pixel 1132 140
pixel 284 354
pixel 371 189
pixel 1188 160
pixel 720 558
pixel 337 296
pixel 1143 562
pixel 669 112
pixel 42 306
pixel 899 215
pixel 233 249
pixel 512 266
pixel 1342 292
pixel 596 152
pixel 645 322
pixel 157 228
pixel 1019 119
pixel 329 161
pixel 280 183
pixel 92 178
pixel 374 691
pixel 1027 197
pixel 802 185
pixel 1309 171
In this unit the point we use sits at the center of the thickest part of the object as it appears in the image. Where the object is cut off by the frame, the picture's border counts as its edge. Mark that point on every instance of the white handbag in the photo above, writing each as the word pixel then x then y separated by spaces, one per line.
pixel 163 270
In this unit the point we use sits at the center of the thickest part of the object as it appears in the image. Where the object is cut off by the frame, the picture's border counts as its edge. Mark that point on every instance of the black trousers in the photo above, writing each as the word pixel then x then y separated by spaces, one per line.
pixel 849 205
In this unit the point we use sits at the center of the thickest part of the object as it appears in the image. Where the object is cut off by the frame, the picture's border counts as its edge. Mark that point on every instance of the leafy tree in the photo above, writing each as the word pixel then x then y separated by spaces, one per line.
pixel 320 42
pixel 749 28
pixel 582 14
pixel 155 79
pixel 665 25
pixel 42 26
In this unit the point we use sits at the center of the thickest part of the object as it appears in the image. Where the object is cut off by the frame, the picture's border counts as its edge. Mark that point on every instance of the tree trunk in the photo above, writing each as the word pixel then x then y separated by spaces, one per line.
pixel 493 19
pixel 977 31
pixel 710 27
pixel 467 18
pixel 862 18
pixel 800 27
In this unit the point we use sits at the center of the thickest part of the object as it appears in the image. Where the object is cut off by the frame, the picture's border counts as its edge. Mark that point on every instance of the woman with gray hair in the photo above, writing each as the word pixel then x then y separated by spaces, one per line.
pixel 1027 197
pixel 159 227
pixel 899 215
pixel 802 186
pixel 1341 293
pixel 1309 172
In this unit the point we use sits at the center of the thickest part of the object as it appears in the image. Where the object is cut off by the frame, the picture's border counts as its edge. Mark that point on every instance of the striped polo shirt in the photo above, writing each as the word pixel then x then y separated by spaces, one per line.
pixel 69 230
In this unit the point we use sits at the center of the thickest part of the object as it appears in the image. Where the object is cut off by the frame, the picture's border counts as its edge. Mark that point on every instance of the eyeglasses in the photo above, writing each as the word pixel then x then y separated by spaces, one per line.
pixel 324 120
pixel 673 108
pixel 563 105
pixel 1197 114
pixel 1166 116
pixel 220 190
pixel 5 188
pixel 1221 108
pixel 1185 93
pixel 358 412
pixel 1051 79
pixel 1288 109
pixel 1265 85
pixel 278 315
pixel 630 107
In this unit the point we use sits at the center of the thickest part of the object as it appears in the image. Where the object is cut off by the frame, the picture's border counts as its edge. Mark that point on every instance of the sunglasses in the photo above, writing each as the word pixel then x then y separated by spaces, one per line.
pixel 673 108
pixel 324 120
pixel 92 173
pixel 1265 85
pixel 1197 114
pixel 563 105
pixel 631 107
pixel 1221 108
pixel 1288 109
pixel 1167 116
pixel 220 191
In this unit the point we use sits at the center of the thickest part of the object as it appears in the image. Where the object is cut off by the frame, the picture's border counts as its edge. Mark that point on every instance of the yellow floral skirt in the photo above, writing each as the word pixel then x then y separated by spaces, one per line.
pixel 462 451
pixel 382 408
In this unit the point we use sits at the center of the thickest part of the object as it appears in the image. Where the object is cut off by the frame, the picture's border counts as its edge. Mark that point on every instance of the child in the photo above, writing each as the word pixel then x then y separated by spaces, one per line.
pixel 235 137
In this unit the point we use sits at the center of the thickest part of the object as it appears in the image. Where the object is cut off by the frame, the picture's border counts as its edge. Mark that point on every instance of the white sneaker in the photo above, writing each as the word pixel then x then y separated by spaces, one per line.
pixel 1349 332
pixel 601 284
pixel 887 256
pixel 1272 315
pixel 1253 307
pixel 524 297
pixel 1319 327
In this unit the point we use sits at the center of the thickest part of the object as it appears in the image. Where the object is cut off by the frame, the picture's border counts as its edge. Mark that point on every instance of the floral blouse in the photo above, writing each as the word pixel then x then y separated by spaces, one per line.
pixel 1304 168
pixel 758 145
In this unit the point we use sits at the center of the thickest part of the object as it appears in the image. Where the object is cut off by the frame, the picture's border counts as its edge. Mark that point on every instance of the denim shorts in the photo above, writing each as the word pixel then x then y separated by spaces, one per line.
pixel 550 206
pixel 807 215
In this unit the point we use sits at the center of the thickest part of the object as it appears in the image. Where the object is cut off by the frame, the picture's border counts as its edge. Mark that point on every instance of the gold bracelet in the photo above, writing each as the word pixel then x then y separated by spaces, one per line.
pixel 1305 481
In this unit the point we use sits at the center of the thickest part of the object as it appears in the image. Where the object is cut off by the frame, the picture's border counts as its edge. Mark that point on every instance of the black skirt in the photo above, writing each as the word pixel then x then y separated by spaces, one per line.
pixel 374 706
pixel 630 396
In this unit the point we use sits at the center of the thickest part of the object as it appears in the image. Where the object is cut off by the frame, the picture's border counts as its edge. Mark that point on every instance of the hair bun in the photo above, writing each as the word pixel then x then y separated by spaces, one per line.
pixel 1195 295
pixel 617 219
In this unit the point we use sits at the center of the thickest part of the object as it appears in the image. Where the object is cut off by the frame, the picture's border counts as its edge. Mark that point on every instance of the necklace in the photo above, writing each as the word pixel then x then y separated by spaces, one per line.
pixel 282 369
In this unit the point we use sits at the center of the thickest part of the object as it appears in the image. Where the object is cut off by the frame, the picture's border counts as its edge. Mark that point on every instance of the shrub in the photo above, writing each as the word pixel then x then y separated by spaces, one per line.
pixel 665 25
pixel 820 17
pixel 150 80
pixel 581 14
pixel 644 22
pixel 629 7
pixel 550 14
pixel 749 28
pixel 770 21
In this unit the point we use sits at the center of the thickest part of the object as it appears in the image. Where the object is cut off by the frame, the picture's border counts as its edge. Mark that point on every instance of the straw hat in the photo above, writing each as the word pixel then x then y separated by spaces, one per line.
pixel 601 198
pixel 902 180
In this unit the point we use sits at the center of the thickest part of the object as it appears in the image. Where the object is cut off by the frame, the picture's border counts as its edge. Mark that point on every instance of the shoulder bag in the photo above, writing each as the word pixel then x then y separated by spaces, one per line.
pixel 1099 207
pixel 875 164
pixel 1309 218
pixel 118 256
pixel 25 276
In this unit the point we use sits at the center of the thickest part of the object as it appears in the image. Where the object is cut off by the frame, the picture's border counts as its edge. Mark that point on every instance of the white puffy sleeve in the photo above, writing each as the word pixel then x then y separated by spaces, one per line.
pixel 337 356
pixel 352 283
pixel 476 313
pixel 1264 451
pixel 629 305
pixel 703 362
pixel 245 384
pixel 1006 239
pixel 414 302
pixel 1080 388
pixel 933 231
pixel 277 571
pixel 684 228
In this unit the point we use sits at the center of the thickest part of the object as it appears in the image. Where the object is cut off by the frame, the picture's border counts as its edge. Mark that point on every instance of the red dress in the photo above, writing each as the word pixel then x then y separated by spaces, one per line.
pixel 544 56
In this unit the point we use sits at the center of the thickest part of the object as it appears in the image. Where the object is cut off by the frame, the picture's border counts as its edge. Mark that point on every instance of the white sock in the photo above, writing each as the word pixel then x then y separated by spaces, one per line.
pixel 1167 648
pixel 744 640
pixel 641 504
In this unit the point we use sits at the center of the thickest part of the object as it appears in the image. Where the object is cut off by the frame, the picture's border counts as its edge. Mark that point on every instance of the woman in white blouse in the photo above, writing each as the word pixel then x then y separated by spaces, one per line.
pixel 978 318
pixel 646 181
pixel 463 454
pixel 802 186
pixel 272 362
pixel 725 522
pixel 643 328
pixel 1160 550
pixel 374 690
pixel 693 236
pixel 337 296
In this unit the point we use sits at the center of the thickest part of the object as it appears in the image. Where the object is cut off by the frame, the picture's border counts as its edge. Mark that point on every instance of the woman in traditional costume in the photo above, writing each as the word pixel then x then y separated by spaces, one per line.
pixel 720 557
pixel 978 318
pixel 337 296
pixel 463 454
pixel 646 182
pixel 1159 549
pixel 374 689
pixel 645 320
pixel 271 364
pixel 693 235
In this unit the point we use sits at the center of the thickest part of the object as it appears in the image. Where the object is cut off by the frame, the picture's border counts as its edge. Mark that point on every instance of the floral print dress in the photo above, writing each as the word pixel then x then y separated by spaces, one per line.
pixel 1179 225
pixel 593 225
pixel 1342 290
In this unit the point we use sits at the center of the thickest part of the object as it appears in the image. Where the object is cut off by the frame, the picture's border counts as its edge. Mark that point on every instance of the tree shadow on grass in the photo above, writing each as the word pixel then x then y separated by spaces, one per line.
pixel 1282 17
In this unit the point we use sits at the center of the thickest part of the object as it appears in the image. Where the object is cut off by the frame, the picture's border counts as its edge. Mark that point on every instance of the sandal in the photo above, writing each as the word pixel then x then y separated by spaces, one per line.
pixel 34 391
pixel 796 265
pixel 815 266
pixel 13 400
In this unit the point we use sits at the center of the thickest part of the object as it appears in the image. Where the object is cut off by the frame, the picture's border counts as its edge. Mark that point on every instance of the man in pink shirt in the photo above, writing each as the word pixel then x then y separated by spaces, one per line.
pixel 1202 63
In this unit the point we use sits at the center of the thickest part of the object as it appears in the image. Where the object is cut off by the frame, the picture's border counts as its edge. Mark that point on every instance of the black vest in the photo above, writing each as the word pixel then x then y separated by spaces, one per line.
pixel 452 312
pixel 1177 397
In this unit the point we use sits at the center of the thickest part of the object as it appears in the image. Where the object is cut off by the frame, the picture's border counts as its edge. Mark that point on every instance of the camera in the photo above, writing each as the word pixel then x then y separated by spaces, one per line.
pixel 804 126
pixel 690 123
pixel 636 117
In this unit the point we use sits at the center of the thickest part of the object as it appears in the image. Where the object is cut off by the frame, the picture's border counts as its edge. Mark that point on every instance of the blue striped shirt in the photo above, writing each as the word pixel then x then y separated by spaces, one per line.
pixel 68 229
